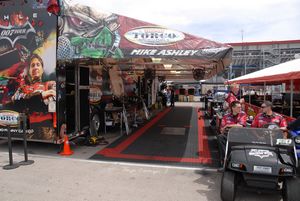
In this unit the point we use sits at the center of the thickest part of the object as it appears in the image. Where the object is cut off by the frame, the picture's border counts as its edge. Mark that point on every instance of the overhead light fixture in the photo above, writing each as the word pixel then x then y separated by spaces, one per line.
pixel 156 60
pixel 175 72
pixel 168 66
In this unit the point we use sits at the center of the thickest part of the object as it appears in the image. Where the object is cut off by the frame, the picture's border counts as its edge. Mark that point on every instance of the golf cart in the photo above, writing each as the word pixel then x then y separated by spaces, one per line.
pixel 296 135
pixel 261 158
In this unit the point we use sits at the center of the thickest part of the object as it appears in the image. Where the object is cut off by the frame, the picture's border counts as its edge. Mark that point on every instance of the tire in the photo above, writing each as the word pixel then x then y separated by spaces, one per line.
pixel 228 186
pixel 95 125
pixel 290 189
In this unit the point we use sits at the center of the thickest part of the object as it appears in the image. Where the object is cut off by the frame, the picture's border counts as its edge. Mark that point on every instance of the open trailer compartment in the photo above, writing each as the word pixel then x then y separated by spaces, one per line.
pixel 86 57
pixel 92 89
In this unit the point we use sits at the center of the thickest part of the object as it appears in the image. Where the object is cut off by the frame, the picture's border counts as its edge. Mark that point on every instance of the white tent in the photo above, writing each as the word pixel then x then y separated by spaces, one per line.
pixel 282 72
pixel 288 71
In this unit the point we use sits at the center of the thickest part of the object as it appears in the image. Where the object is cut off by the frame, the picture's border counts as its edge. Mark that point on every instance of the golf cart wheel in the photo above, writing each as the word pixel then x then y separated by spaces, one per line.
pixel 95 125
pixel 228 186
pixel 291 189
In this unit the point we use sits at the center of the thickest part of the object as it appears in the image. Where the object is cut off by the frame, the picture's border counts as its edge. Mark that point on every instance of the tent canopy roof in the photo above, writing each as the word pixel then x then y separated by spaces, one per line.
pixel 279 73
pixel 88 32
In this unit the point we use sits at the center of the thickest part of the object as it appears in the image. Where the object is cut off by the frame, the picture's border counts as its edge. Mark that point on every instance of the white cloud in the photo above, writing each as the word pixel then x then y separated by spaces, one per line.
pixel 215 19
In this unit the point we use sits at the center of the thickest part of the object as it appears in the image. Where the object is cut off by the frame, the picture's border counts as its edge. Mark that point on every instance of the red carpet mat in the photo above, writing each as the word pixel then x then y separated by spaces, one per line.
pixel 176 136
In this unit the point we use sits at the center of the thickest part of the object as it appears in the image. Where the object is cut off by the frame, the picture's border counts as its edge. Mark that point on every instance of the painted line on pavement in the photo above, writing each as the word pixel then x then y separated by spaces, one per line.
pixel 119 163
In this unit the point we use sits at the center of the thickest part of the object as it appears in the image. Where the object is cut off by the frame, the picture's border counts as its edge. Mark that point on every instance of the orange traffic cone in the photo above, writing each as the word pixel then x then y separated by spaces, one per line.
pixel 67 149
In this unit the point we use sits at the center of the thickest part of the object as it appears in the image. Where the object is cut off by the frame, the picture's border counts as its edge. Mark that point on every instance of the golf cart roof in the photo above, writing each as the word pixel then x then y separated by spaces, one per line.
pixel 257 136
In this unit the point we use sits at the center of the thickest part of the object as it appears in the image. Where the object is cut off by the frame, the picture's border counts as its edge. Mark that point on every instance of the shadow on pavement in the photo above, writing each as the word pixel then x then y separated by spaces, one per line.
pixel 210 184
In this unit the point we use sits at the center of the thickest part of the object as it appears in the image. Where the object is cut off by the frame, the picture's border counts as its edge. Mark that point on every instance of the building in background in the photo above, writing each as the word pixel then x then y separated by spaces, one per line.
pixel 252 56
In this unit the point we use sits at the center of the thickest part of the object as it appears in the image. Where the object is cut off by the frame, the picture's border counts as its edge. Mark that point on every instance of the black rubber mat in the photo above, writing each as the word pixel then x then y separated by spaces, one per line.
pixel 154 143
pixel 171 140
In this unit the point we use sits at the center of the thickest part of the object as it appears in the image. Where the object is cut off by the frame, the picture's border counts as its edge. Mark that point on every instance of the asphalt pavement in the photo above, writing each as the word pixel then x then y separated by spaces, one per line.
pixel 64 179
pixel 77 178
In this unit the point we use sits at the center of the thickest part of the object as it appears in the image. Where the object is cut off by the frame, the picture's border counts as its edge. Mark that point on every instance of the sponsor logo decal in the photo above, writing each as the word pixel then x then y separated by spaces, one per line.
pixel 284 141
pixel 155 52
pixel 95 95
pixel 14 33
pixel 172 52
pixel 260 153
pixel 9 118
pixel 154 36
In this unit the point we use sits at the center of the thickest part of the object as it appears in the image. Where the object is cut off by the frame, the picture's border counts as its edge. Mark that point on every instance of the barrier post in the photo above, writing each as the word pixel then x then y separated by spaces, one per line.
pixel 11 164
pixel 24 125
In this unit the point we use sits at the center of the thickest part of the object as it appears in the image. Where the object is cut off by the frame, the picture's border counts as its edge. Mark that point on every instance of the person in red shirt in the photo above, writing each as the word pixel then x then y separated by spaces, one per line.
pixel 231 97
pixel 268 117
pixel 236 118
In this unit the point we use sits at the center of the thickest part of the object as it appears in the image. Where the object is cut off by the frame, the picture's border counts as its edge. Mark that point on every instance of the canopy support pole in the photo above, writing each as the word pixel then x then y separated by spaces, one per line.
pixel 292 97
pixel 264 91
pixel 249 96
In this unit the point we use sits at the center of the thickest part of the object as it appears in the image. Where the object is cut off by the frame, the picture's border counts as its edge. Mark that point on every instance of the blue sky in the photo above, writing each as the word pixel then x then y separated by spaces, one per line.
pixel 219 20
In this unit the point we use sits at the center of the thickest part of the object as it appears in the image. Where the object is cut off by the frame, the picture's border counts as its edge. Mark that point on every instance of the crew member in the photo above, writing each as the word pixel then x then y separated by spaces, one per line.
pixel 268 116
pixel 236 118
pixel 231 97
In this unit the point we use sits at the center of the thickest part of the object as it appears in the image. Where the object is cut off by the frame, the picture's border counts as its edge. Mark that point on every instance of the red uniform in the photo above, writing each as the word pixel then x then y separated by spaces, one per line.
pixel 37 87
pixel 231 98
pixel 24 90
pixel 230 119
pixel 261 119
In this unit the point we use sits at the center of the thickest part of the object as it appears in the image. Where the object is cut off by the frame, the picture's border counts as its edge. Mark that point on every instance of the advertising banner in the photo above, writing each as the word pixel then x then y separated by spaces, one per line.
pixel 88 32
pixel 27 70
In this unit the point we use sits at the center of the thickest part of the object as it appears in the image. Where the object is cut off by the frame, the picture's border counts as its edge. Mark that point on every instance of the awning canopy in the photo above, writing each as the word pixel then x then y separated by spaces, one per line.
pixel 86 32
pixel 276 74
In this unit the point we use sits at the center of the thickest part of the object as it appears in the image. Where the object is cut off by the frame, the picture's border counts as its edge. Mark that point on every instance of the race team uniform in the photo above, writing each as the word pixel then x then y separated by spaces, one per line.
pixel 229 119
pixel 231 98
pixel 261 119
